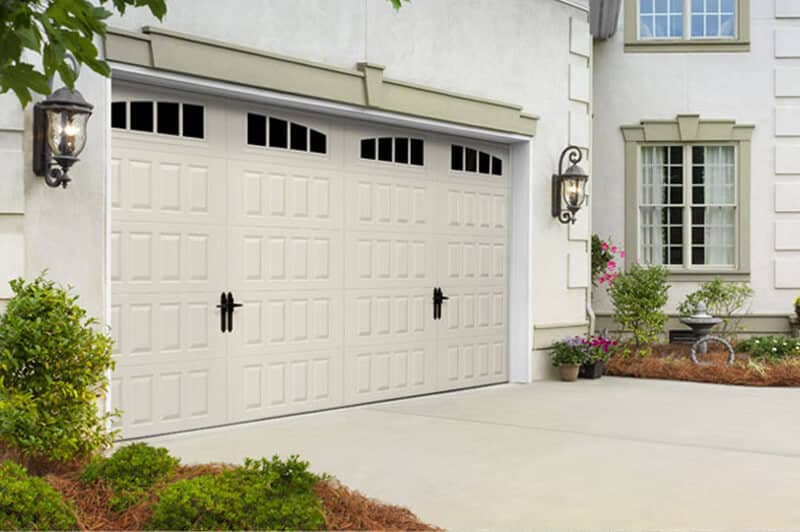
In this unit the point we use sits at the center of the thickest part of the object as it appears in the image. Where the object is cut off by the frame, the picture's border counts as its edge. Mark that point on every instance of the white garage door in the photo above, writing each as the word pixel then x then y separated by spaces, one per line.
pixel 331 234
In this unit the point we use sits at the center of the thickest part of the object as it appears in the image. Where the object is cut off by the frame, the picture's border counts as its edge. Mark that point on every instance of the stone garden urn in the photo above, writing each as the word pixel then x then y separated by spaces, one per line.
pixel 701 323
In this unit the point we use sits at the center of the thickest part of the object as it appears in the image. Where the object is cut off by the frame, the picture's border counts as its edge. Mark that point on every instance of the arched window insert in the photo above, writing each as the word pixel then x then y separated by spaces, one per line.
pixel 176 119
pixel 284 134
pixel 400 150
pixel 465 159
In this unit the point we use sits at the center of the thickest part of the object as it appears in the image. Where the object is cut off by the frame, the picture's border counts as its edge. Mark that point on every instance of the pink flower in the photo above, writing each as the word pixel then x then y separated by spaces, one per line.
pixel 601 280
pixel 609 277
pixel 613 249
pixel 604 246
pixel 622 253
pixel 612 265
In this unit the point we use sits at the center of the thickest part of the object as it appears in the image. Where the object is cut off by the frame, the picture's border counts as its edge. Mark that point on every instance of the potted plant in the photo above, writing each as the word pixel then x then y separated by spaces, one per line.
pixel 568 356
pixel 598 350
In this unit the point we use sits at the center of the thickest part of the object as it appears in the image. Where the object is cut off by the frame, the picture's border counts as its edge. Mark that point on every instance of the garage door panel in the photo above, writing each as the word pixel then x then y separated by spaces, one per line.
pixel 166 397
pixel 389 203
pixel 278 384
pixel 474 311
pixel 157 328
pixel 279 259
pixel 474 209
pixel 378 372
pixel 471 259
pixel 381 316
pixel 167 187
pixel 156 257
pixel 280 322
pixel 389 261
pixel 268 195
pixel 474 362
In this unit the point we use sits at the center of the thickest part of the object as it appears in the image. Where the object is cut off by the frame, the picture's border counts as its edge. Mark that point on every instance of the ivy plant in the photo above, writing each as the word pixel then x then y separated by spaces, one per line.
pixel 50 29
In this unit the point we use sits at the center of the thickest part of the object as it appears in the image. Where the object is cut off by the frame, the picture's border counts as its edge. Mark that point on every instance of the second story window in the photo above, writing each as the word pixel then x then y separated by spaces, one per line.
pixel 687 25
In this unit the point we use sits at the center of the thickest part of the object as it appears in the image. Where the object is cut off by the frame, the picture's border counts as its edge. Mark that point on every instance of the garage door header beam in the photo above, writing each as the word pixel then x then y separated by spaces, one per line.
pixel 366 87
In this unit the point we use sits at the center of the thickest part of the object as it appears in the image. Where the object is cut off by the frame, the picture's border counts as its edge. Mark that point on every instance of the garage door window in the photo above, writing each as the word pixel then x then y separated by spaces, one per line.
pixel 400 150
pixel 174 119
pixel 465 159
pixel 283 134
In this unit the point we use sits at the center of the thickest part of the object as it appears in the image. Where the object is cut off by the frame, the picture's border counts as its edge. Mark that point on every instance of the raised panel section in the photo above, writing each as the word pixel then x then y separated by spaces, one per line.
pixel 787 9
pixel 787 82
pixel 580 38
pixel 787 121
pixel 787 236
pixel 282 196
pixel 383 204
pixel 277 259
pixel 787 42
pixel 787 273
pixel 474 311
pixel 389 261
pixel 381 316
pixel 471 259
pixel 472 363
pixel 579 83
pixel 272 384
pixel 787 197
pixel 380 372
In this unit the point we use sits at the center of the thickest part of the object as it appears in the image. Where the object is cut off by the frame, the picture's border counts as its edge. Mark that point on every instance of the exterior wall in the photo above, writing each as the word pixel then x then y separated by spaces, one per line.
pixel 760 87
pixel 535 53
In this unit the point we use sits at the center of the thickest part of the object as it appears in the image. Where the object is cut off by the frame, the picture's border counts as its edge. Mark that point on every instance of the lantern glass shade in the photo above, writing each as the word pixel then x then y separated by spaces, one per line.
pixel 573 187
pixel 66 131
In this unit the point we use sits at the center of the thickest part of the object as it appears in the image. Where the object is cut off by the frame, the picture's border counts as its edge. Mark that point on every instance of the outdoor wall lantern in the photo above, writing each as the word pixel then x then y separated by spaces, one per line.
pixel 569 186
pixel 59 134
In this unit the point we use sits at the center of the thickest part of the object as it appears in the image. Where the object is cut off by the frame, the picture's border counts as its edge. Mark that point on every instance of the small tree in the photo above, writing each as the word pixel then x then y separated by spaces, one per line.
pixel 53 365
pixel 724 300
pixel 639 297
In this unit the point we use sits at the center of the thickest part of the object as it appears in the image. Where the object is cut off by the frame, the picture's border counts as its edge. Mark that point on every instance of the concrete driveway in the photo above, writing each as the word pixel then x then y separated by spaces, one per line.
pixel 595 455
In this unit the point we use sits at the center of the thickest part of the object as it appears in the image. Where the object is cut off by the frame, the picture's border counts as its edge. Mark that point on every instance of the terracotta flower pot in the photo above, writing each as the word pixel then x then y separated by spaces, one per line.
pixel 569 372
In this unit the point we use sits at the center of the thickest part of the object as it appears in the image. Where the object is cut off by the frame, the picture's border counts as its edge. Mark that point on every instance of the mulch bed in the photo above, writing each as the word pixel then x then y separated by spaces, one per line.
pixel 672 362
pixel 343 508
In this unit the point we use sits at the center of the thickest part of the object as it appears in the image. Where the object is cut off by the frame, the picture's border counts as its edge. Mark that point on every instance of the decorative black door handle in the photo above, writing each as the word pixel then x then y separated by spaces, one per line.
pixel 231 307
pixel 438 299
pixel 223 307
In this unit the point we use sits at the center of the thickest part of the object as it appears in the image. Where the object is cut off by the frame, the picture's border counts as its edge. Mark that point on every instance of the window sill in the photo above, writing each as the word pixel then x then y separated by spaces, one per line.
pixel 687 46
pixel 703 276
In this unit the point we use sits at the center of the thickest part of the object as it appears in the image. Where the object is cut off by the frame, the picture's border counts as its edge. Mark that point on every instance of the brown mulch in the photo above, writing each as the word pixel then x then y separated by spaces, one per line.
pixel 672 362
pixel 344 509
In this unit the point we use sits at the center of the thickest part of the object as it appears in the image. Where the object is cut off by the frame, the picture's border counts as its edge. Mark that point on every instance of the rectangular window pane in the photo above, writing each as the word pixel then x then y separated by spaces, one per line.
pixel 299 137
pixel 256 129
pixel 484 162
pixel 661 19
pixel 142 116
pixel 401 150
pixel 193 121
pixel 645 6
pixel 168 118
pixel 119 115
pixel 472 160
pixel 385 149
pixel 417 152
pixel 662 209
pixel 318 142
pixel 714 205
pixel 713 18
pixel 368 149
pixel 718 232
pixel 278 133
pixel 456 157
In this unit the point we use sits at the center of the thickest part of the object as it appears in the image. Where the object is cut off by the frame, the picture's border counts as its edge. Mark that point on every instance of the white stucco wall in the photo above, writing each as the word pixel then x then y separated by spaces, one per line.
pixel 535 53
pixel 745 87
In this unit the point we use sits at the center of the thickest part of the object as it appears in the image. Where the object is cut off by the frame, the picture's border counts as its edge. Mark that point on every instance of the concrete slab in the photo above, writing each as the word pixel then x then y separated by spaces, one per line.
pixel 612 454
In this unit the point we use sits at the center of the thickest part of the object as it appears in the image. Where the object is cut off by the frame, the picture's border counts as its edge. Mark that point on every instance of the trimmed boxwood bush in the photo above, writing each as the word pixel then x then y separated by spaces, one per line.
pixel 30 503
pixel 262 495
pixel 130 472
pixel 770 348
pixel 53 363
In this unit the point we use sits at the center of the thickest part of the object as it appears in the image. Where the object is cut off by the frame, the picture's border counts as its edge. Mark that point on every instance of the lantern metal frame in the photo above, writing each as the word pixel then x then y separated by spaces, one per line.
pixel 561 210
pixel 54 168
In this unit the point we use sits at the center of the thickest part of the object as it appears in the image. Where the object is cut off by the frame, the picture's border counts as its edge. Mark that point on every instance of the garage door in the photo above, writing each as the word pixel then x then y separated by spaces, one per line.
pixel 331 234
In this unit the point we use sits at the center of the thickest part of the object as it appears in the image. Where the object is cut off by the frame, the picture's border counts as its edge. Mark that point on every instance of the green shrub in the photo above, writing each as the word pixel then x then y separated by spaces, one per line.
pixel 30 503
pixel 724 300
pixel 770 348
pixel 639 297
pixel 261 495
pixel 53 363
pixel 130 472
pixel 569 352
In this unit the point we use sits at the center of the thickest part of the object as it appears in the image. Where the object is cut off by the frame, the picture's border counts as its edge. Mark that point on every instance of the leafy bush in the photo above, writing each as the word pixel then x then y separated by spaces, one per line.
pixel 724 300
pixel 261 495
pixel 639 297
pixel 130 472
pixel 52 366
pixel 30 503
pixel 770 348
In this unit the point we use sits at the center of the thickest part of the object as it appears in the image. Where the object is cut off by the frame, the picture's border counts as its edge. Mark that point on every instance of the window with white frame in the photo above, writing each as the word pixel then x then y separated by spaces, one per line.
pixel 688 206
pixel 687 19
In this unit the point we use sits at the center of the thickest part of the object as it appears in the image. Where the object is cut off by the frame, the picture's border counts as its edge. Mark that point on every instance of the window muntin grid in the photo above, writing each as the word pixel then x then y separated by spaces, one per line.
pixel 713 18
pixel 688 211
pixel 661 19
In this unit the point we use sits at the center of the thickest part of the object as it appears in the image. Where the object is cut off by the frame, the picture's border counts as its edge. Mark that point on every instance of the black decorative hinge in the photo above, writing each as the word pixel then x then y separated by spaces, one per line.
pixel 438 299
